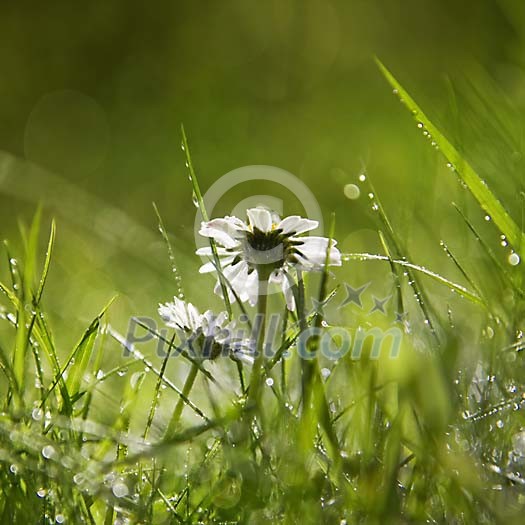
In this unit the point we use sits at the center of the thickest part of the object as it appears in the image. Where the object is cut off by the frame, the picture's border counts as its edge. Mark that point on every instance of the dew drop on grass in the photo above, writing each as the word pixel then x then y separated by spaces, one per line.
pixel 120 489
pixel 325 372
pixel 122 372
pixel 13 469
pixel 37 414
pixel 41 493
pixel 194 200
pixel 362 177
pixel 59 518
pixel 351 191
pixel 514 259
pixel 499 423
pixel 48 451
pixel 135 379
pixel 487 218
pixel 269 381
pixel 420 125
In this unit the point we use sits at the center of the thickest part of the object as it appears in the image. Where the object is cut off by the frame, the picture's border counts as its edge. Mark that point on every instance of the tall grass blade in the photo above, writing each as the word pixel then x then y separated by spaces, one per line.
pixel 197 195
pixel 477 186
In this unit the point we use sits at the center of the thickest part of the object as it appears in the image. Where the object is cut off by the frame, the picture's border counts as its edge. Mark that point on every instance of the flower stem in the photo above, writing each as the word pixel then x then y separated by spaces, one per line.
pixel 258 365
pixel 186 389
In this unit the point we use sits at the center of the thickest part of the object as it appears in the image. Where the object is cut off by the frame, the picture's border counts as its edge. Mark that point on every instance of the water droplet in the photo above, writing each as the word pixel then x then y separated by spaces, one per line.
pixel 13 469
pixel 60 518
pixel 48 451
pixel 37 414
pixel 420 125
pixel 499 423
pixel 100 374
pixel 120 489
pixel 351 191
pixel 13 261
pixel 269 381
pixel 514 259
pixel 122 372
pixel 41 493
pixel 450 166
pixel 395 91
pixel 325 372
pixel 370 195
pixel 182 146
pixel 194 200
pixel 362 177
pixel 135 379
pixel 487 218
pixel 375 207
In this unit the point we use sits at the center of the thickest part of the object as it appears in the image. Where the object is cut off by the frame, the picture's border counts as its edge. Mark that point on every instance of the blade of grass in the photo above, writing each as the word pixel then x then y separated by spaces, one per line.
pixel 79 358
pixel 488 250
pixel 47 262
pixel 202 208
pixel 171 255
pixel 461 290
pixel 130 348
pixel 479 189
pixel 397 249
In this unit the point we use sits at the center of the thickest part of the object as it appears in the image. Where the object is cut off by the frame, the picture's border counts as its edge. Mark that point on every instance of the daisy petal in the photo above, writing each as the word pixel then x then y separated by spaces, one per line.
pixel 296 225
pixel 288 293
pixel 313 251
pixel 260 218
pixel 224 231
pixel 206 251
pixel 210 265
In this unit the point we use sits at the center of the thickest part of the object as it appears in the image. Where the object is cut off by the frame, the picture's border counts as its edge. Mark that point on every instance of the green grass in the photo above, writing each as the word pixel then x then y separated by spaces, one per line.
pixel 89 435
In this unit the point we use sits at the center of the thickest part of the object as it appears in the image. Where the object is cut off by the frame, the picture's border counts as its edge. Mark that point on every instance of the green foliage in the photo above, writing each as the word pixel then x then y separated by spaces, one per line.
pixel 432 436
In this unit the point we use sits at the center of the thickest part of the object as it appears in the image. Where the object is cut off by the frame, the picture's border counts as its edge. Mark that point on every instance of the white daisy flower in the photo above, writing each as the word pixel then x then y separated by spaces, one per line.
pixel 265 248
pixel 206 335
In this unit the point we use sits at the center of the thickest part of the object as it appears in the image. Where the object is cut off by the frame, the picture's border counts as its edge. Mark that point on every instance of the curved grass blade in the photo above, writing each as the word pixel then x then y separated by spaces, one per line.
pixel 200 203
pixel 461 290
pixel 47 262
pixel 479 189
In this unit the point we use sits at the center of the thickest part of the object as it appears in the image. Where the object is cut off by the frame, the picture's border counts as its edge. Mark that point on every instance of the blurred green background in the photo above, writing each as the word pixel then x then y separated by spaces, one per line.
pixel 93 94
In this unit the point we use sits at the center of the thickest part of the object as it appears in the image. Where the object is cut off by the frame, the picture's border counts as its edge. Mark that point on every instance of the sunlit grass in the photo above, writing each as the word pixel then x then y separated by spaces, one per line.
pixel 109 432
